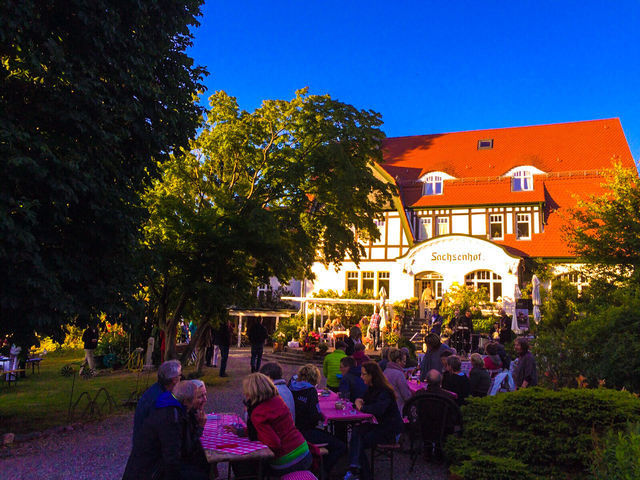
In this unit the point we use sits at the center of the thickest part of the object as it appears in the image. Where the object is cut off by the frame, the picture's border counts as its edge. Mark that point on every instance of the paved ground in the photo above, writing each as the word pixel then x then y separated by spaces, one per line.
pixel 98 451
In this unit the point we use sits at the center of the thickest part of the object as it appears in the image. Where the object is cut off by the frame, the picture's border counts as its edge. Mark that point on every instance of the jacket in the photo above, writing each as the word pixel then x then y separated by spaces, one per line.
pixel 274 427
pixel 458 383
pixel 90 338
pixel 305 397
pixel 382 404
pixel 166 441
pixel 479 382
pixel 222 337
pixel 398 381
pixel 331 367
pixel 431 361
pixel 144 407
pixel 286 395
pixel 352 384
pixel 257 334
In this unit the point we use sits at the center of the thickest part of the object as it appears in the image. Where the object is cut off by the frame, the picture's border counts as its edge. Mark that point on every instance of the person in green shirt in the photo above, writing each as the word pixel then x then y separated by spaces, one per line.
pixel 331 366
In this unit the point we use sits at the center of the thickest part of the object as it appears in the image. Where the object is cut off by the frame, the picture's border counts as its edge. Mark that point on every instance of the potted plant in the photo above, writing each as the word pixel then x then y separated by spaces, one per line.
pixel 279 339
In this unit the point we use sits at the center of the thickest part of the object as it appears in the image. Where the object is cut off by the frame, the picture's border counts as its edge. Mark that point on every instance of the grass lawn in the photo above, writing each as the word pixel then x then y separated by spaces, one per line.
pixel 41 401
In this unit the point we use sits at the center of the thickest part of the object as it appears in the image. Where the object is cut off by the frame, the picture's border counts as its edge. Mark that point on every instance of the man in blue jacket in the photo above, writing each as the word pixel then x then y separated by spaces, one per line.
pixel 168 376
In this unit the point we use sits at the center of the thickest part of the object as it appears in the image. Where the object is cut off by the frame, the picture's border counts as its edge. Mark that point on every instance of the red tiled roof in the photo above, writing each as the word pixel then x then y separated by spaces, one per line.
pixel 570 154
pixel 551 148
pixel 481 192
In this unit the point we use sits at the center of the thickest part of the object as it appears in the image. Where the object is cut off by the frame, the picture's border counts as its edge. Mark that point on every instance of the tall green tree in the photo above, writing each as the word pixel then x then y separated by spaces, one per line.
pixel 259 195
pixel 604 230
pixel 93 93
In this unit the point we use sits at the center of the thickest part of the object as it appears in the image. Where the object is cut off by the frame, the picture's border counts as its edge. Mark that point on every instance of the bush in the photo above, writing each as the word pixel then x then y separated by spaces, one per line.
pixel 617 454
pixel 488 467
pixel 113 342
pixel 288 328
pixel 549 431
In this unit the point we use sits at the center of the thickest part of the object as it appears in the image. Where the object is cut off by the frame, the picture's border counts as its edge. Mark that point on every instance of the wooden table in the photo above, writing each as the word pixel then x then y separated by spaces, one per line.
pixel 221 446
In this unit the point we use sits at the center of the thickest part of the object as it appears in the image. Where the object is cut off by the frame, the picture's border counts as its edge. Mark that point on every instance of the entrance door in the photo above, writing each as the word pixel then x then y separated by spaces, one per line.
pixel 428 289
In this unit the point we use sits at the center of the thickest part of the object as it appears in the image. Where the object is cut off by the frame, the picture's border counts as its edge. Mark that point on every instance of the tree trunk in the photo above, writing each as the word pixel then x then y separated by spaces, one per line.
pixel 170 329
pixel 200 343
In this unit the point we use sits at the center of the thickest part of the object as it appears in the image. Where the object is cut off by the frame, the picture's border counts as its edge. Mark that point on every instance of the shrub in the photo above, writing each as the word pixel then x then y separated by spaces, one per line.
pixel 113 341
pixel 288 328
pixel 549 431
pixel 617 454
pixel 488 467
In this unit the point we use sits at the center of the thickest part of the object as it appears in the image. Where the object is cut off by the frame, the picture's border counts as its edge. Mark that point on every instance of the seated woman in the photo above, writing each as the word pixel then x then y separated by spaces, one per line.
pixel 479 378
pixel 270 422
pixel 358 354
pixel 492 361
pixel 379 401
pixel 308 415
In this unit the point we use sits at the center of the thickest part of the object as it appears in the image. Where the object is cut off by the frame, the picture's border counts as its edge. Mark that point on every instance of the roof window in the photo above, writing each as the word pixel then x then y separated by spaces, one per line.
pixel 485 144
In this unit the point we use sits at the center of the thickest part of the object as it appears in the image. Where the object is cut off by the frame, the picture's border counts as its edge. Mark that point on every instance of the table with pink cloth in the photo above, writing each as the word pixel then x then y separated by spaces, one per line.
pixel 222 446
pixel 331 414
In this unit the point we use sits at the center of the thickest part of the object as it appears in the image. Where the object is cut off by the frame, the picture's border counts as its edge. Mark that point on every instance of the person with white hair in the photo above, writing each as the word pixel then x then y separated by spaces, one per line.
pixel 167 446
pixel 168 376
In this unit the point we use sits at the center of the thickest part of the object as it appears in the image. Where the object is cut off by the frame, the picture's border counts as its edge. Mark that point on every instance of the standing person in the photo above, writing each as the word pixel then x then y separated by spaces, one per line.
pixel 395 374
pixel 90 338
pixel 168 446
pixel 355 337
pixel 525 374
pixel 308 415
pixel 270 422
pixel 379 401
pixel 462 327
pixel 222 339
pixel 273 370
pixel 374 328
pixel 431 359
pixel 435 324
pixel 257 336
pixel 168 377
pixel 504 327
pixel 455 381
pixel 331 366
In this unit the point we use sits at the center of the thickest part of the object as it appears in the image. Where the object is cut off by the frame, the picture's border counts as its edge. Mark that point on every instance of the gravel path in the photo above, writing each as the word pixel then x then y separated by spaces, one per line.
pixel 99 451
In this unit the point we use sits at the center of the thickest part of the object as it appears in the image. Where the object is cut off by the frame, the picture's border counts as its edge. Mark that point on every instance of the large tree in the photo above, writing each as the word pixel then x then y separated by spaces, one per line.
pixel 258 195
pixel 604 230
pixel 93 93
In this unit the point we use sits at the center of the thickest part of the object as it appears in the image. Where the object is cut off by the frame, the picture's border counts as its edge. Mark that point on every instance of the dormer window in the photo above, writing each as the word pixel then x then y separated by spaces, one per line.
pixel 432 185
pixel 521 181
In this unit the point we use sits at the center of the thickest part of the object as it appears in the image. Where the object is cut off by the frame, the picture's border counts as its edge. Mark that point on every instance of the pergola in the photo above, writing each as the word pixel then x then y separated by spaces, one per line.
pixel 314 301
pixel 259 313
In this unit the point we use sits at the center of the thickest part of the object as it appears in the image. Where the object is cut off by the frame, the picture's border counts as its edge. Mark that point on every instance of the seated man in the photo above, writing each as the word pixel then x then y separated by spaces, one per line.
pixel 168 376
pixel 456 381
pixel 168 447
pixel 351 384
pixel 434 385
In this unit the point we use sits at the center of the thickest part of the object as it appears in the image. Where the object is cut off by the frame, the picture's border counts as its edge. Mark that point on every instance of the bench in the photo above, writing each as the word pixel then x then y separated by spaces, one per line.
pixel 35 362
pixel 11 375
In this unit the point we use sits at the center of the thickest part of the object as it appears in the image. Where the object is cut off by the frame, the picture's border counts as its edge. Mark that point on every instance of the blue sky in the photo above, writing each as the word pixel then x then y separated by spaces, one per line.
pixel 433 66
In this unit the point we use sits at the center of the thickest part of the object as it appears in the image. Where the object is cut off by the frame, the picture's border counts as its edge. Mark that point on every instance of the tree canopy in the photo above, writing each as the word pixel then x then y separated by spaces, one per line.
pixel 604 230
pixel 262 194
pixel 93 94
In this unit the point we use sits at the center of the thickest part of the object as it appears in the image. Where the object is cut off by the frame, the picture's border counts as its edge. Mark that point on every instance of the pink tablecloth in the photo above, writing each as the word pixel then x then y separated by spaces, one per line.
pixel 414 386
pixel 215 438
pixel 349 414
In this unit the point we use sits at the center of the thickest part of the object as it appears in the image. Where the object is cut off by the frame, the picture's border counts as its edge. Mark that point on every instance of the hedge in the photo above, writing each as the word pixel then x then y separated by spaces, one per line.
pixel 550 431
pixel 489 467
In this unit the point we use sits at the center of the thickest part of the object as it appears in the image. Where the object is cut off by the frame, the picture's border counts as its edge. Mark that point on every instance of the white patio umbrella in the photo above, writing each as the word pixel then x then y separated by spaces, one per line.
pixel 383 309
pixel 514 319
pixel 535 297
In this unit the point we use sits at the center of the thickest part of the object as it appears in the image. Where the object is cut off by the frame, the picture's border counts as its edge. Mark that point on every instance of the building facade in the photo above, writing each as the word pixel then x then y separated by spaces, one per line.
pixel 474 206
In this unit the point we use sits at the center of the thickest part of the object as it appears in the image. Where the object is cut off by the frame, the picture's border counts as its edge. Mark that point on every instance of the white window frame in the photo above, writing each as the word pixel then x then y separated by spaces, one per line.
pixel 426 228
pixel 442 221
pixel 522 181
pixel 383 276
pixel 433 182
pixel 353 275
pixel 368 276
pixel 472 279
pixel 520 218
pixel 493 220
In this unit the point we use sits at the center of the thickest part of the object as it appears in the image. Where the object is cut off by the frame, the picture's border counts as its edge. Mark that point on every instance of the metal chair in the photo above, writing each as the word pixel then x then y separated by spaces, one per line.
pixel 431 418
pixel 383 451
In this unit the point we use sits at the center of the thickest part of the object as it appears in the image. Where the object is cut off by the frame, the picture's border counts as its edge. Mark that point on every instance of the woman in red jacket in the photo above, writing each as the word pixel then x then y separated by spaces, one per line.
pixel 270 421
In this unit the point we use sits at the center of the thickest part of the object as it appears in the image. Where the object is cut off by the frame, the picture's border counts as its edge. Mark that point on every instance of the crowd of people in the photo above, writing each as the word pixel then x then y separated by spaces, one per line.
pixel 285 414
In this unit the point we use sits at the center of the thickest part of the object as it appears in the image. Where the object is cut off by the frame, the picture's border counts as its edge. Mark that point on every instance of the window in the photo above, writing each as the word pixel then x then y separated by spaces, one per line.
pixel 383 281
pixel 367 282
pixel 486 144
pixel 574 278
pixel 426 229
pixel 523 226
pixel 352 281
pixel 495 226
pixel 443 225
pixel 521 181
pixel 491 282
pixel 432 185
